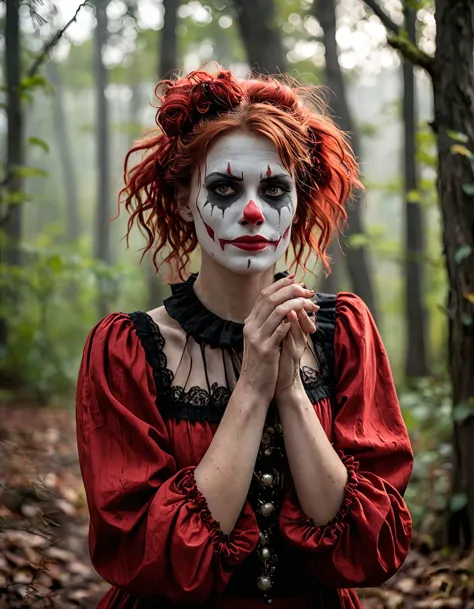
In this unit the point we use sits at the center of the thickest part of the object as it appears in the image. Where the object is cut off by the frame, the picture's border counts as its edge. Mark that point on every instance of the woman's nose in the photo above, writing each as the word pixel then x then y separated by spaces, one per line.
pixel 252 214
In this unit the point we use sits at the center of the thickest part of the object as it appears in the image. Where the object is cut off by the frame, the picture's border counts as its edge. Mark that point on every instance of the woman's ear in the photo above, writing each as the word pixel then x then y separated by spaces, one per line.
pixel 182 199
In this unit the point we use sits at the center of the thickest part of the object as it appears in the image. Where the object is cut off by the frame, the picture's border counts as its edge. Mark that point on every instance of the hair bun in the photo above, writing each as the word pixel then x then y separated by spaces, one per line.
pixel 199 95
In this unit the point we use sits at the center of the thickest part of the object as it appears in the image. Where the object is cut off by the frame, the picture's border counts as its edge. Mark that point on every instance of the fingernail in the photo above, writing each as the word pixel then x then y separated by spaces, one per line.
pixel 292 276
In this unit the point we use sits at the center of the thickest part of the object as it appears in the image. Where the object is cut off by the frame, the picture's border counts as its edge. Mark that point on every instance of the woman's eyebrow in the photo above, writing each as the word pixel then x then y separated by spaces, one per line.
pixel 277 176
pixel 226 175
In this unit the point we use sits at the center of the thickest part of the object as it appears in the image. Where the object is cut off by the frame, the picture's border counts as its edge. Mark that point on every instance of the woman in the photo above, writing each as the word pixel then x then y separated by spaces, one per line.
pixel 243 443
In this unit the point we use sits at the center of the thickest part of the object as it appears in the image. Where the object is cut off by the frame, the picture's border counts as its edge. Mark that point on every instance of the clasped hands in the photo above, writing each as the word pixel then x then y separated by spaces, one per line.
pixel 301 323
pixel 275 337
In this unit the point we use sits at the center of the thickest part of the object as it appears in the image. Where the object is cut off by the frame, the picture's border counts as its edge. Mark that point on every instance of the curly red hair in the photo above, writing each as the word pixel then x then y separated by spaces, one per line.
pixel 194 111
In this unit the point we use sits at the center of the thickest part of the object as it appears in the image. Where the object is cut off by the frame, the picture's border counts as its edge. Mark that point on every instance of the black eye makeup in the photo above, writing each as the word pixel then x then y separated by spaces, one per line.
pixel 275 190
pixel 224 189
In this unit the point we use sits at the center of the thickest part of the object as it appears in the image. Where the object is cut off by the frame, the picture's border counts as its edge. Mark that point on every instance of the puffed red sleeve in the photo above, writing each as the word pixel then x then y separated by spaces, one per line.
pixel 369 538
pixel 151 532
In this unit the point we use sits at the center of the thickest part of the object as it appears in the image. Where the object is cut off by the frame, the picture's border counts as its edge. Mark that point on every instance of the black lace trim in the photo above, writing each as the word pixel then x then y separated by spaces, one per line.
pixel 314 384
pixel 174 402
pixel 203 325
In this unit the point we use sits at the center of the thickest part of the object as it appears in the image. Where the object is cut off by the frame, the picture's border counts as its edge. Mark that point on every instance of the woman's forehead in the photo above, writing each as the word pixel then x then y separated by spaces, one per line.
pixel 243 150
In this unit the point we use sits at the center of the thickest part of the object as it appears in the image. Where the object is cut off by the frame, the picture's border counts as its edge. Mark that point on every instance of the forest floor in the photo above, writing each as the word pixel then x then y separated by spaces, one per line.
pixel 44 560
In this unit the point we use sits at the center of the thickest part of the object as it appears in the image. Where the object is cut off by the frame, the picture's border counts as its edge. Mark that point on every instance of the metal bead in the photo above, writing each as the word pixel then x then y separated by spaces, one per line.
pixel 267 479
pixel 268 452
pixel 266 508
pixel 279 428
pixel 266 439
pixel 264 554
pixel 262 537
pixel 269 430
pixel 264 582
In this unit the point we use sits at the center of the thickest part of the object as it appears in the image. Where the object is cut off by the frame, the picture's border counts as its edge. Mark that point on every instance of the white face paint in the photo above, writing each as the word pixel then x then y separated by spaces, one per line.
pixel 243 203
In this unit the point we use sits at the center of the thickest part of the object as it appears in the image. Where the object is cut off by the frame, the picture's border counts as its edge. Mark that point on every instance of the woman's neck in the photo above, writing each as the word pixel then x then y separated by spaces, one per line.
pixel 229 295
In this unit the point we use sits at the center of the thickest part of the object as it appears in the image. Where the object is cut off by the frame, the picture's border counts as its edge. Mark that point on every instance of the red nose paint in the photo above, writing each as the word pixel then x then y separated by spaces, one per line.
pixel 253 214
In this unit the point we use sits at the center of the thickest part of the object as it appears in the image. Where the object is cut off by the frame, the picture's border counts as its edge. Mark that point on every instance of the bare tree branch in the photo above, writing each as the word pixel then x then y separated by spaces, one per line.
pixel 52 42
pixel 383 16
pixel 399 42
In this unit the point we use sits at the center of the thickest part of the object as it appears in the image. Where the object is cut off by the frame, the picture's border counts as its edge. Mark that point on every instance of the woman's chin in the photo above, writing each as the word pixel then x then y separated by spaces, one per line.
pixel 249 263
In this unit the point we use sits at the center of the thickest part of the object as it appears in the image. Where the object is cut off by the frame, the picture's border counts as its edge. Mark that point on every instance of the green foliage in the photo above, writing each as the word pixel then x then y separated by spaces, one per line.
pixel 427 410
pixel 462 253
pixel 53 297
pixel 462 412
pixel 36 141
pixel 458 137
pixel 469 189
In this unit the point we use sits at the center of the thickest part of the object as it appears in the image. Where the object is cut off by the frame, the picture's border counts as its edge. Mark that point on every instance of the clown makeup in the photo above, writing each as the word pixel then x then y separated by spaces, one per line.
pixel 243 202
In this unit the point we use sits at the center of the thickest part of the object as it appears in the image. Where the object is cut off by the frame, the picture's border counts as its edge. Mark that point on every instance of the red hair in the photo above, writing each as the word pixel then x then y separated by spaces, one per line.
pixel 200 107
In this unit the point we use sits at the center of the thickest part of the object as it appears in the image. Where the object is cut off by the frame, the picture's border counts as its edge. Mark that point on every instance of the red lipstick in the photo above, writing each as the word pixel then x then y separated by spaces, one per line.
pixel 249 243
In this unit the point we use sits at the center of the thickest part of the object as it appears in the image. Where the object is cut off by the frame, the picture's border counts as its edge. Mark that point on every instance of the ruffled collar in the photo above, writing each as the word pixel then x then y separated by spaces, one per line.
pixel 203 325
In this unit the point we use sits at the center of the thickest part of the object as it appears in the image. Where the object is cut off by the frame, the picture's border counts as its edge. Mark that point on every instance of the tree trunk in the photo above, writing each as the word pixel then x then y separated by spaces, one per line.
pixel 10 253
pixel 73 229
pixel 416 363
pixel 168 63
pixel 453 84
pixel 167 68
pixel 357 259
pixel 332 284
pixel 102 243
pixel 261 36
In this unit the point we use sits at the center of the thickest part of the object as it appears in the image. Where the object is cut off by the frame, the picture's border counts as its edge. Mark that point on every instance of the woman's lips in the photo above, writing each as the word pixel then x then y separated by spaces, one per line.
pixel 251 247
pixel 248 243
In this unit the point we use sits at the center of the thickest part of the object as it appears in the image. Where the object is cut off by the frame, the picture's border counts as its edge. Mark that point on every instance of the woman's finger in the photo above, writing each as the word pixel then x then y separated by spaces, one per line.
pixel 306 322
pixel 267 304
pixel 281 311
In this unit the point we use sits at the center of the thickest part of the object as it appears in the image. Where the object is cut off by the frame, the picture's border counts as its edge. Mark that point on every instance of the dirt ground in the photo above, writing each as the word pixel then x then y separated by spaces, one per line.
pixel 44 558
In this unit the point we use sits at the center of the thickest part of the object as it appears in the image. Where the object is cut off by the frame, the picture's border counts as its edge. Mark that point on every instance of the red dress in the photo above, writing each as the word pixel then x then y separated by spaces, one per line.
pixel 140 436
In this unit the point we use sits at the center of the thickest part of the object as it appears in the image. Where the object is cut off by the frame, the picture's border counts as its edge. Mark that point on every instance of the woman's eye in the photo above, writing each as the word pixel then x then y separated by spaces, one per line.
pixel 274 191
pixel 224 190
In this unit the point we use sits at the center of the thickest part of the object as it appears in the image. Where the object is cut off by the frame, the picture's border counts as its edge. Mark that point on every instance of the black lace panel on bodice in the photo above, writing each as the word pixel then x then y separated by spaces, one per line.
pixel 207 400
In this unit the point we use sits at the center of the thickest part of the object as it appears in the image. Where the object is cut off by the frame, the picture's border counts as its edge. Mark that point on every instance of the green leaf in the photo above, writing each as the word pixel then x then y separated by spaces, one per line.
pixel 55 262
pixel 358 240
pixel 31 82
pixel 36 141
pixel 31 172
pixel 414 196
pixel 459 149
pixel 458 502
pixel 469 188
pixel 463 252
pixel 466 319
pixel 462 412
pixel 458 137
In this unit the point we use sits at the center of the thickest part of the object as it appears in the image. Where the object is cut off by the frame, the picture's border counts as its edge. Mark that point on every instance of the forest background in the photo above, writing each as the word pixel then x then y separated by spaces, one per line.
pixel 77 87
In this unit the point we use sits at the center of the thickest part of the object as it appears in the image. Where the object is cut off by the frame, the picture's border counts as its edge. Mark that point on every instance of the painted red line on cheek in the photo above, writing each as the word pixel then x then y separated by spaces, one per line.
pixel 210 232
pixel 222 243
pixel 285 234
pixel 269 171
